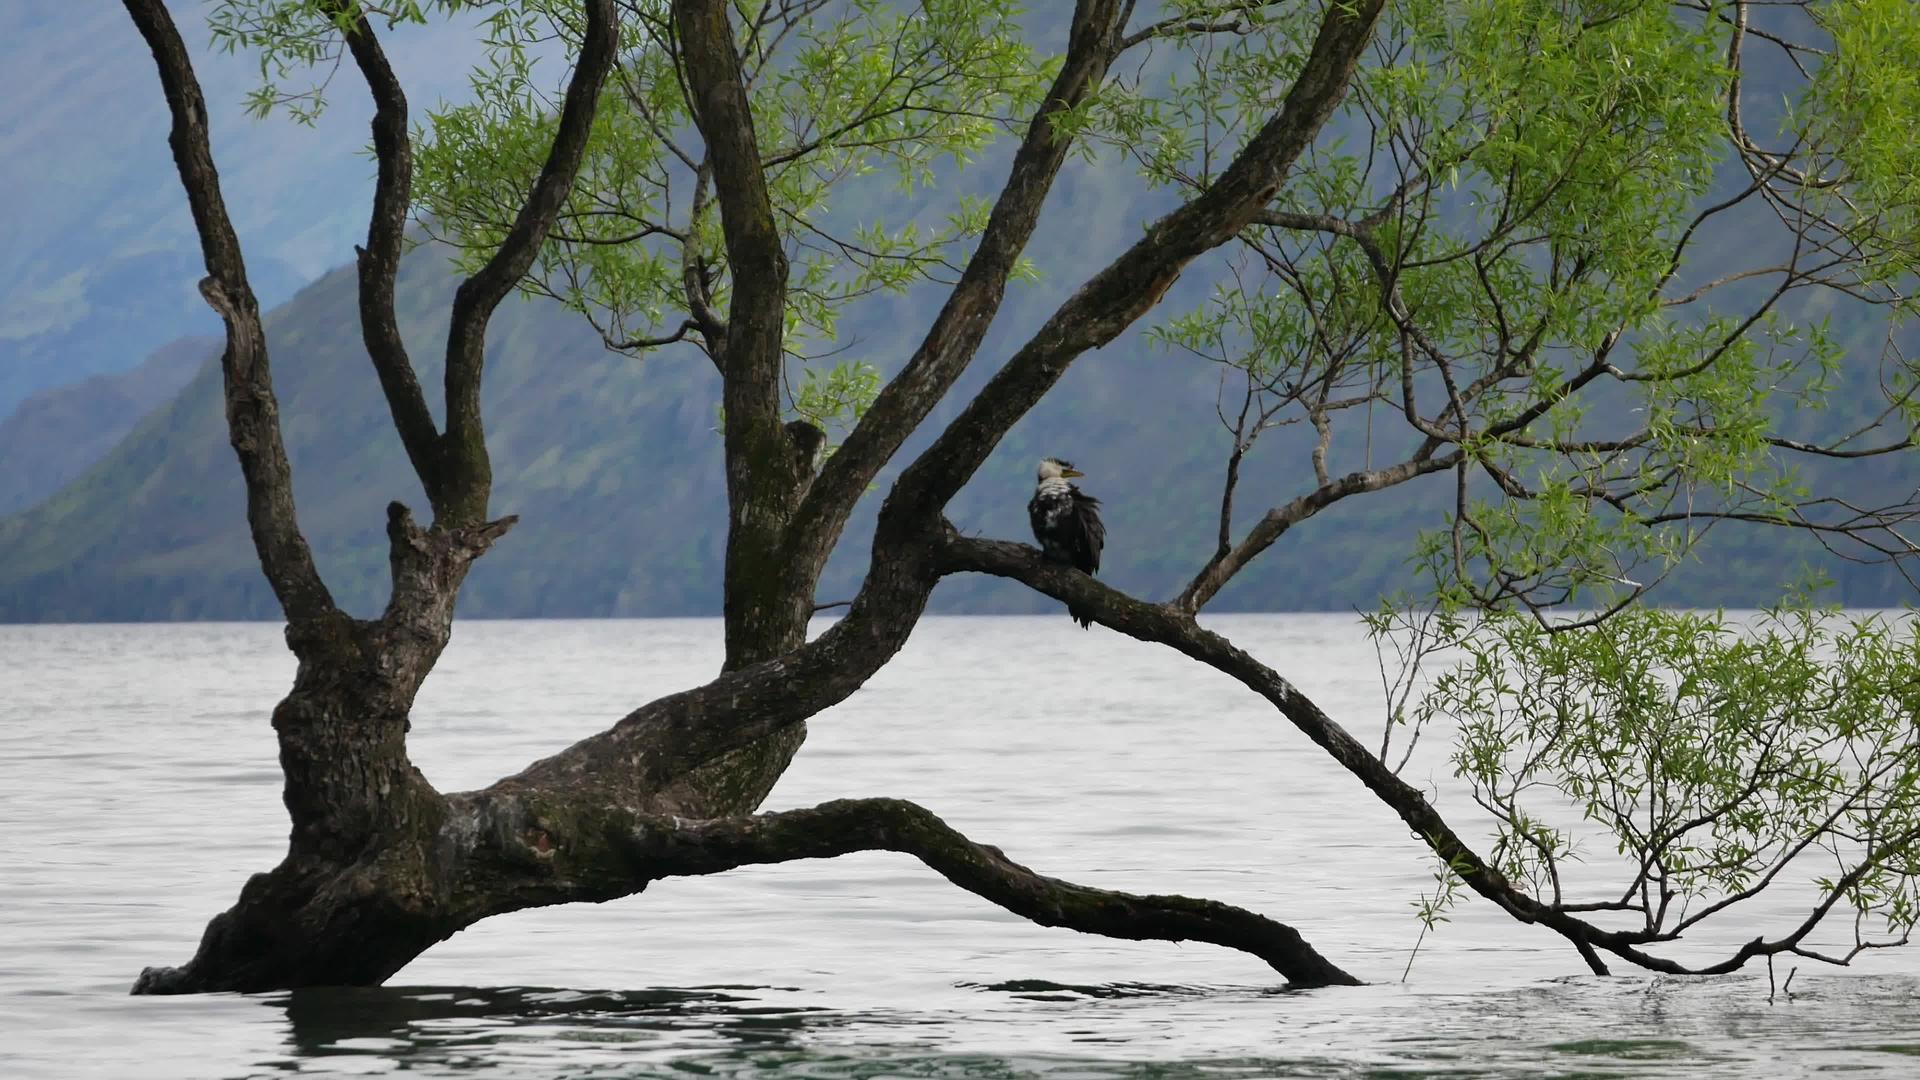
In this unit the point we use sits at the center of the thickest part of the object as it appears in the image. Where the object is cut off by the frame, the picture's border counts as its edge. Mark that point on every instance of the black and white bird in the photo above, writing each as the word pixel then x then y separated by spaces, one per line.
pixel 1066 522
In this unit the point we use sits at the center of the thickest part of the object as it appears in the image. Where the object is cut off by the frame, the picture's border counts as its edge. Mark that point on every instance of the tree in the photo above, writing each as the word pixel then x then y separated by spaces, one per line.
pixel 1475 216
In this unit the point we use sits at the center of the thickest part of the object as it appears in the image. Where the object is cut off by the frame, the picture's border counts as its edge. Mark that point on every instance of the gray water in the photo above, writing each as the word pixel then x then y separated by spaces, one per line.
pixel 138 788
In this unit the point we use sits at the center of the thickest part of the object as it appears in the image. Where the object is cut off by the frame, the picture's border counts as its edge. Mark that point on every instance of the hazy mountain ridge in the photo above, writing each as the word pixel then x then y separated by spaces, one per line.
pixel 99 254
pixel 56 434
pixel 613 465
pixel 614 468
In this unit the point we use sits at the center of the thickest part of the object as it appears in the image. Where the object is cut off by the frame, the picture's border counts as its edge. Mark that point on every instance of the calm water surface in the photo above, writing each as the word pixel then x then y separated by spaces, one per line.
pixel 138 787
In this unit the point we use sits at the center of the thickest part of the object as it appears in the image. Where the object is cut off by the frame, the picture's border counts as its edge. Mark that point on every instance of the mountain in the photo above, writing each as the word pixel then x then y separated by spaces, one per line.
pixel 97 253
pixel 614 467
pixel 612 463
pixel 55 434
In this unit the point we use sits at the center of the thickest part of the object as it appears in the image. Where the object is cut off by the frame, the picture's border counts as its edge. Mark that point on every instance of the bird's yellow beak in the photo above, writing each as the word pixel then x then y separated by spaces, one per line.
pixel 1070 472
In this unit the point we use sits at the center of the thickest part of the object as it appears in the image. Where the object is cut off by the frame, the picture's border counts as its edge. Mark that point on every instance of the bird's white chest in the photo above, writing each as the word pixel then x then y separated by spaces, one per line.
pixel 1055 488
pixel 1055 497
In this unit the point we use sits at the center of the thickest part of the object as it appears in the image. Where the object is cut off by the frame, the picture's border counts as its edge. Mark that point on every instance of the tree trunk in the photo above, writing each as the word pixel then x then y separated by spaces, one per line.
pixel 380 865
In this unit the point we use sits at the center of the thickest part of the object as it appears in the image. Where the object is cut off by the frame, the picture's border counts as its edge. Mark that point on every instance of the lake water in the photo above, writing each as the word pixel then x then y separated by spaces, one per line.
pixel 138 788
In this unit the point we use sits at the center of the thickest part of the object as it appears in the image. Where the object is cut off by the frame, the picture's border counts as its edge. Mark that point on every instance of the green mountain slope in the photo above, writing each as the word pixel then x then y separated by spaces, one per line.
pixel 55 434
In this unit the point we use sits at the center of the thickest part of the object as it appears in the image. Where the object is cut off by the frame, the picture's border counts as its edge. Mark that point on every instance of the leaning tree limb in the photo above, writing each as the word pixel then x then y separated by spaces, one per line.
pixel 1167 624
pixel 567 856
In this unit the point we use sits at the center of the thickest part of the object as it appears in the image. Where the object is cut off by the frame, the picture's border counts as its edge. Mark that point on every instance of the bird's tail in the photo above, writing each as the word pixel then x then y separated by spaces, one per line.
pixel 1081 616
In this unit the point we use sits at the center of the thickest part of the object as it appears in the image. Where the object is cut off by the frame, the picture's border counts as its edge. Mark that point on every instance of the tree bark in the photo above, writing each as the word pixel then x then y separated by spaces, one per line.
pixel 764 474
pixel 379 260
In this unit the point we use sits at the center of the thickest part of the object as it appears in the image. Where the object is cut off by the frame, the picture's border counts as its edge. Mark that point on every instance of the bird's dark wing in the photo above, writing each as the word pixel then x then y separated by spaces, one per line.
pixel 1051 515
pixel 1089 532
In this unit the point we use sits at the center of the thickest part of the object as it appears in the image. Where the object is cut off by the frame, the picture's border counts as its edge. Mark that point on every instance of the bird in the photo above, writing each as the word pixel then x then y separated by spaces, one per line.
pixel 1066 522
pixel 808 444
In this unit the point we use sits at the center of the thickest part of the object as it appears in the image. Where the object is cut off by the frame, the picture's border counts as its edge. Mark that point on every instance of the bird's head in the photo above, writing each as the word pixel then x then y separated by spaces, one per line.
pixel 1053 469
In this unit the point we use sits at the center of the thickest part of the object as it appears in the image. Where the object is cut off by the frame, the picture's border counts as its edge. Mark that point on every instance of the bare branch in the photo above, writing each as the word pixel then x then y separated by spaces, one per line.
pixel 633 344
pixel 955 335
pixel 379 260
pixel 468 478
pixel 1226 19
pixel 253 413
pixel 1224 565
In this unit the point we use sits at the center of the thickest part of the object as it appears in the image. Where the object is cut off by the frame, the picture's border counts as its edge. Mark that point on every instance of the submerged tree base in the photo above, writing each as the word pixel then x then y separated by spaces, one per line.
pixel 360 924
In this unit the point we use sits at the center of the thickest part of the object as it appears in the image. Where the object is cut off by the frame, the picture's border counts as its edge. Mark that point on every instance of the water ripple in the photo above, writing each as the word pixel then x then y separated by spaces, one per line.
pixel 138 789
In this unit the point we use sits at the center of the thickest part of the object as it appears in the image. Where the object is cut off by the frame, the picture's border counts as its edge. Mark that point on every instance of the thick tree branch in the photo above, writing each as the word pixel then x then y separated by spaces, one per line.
pixel 253 413
pixel 468 470
pixel 716 91
pixel 379 260
pixel 1129 286
pixel 1165 625
pixel 955 336
pixel 632 850
pixel 763 477
pixel 647 750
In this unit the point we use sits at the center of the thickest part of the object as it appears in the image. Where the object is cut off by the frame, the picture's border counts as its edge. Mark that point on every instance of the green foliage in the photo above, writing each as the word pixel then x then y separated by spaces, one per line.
pixel 1717 754
pixel 1523 141
pixel 1528 236
pixel 850 102
pixel 301 38
pixel 1431 909
pixel 835 399
pixel 1517 191
pixel 1858 114
pixel 831 399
